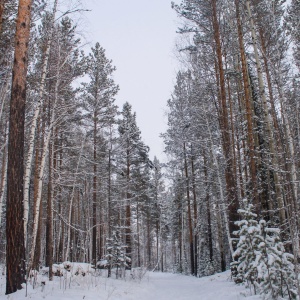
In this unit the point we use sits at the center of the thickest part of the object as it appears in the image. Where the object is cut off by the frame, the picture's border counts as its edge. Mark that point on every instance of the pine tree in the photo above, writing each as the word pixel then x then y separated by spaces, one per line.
pixel 132 155
pixel 276 276
pixel 245 253
pixel 100 112
pixel 15 248
pixel 261 260
pixel 116 254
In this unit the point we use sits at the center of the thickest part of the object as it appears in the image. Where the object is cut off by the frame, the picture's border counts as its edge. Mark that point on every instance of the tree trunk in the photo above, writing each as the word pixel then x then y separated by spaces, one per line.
pixel 128 212
pixel 37 166
pixel 71 205
pixel 189 212
pixel 49 222
pixel 209 226
pixel 222 199
pixel 15 250
pixel 34 123
pixel 149 254
pixel 248 108
pixel 230 184
pixel 195 213
pixel 94 230
pixel 3 95
pixel 267 118
pixel 138 236
pixel 2 2
pixel 41 175
pixel 3 175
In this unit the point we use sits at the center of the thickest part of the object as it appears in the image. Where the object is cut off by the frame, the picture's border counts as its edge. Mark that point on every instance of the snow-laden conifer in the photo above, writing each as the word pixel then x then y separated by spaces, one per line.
pixel 116 254
pixel 245 254
pixel 276 276
pixel 261 260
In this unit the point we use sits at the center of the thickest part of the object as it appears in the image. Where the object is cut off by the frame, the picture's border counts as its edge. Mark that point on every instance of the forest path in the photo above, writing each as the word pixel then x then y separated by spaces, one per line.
pixel 153 286
pixel 167 286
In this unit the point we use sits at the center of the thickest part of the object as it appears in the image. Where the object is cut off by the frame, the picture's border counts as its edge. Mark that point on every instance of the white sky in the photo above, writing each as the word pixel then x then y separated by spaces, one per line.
pixel 139 36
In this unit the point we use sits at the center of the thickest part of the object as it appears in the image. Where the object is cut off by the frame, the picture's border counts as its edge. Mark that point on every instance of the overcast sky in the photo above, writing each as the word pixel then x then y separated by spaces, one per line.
pixel 139 36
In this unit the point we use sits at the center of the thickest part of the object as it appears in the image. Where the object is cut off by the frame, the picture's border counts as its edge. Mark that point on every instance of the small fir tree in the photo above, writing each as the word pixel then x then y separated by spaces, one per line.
pixel 276 277
pixel 261 260
pixel 116 254
pixel 245 253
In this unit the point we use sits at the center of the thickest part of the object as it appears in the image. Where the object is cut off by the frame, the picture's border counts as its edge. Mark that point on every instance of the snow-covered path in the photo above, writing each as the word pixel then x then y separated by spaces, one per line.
pixel 166 286
pixel 154 286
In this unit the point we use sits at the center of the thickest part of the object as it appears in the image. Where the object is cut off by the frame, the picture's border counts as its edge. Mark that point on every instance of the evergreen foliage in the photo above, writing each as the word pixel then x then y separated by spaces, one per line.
pixel 261 260
pixel 116 254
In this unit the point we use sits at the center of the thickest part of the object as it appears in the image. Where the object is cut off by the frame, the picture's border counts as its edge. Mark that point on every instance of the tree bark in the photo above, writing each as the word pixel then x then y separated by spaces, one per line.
pixel 15 249
pixel 2 2
pixel 3 175
pixel 230 184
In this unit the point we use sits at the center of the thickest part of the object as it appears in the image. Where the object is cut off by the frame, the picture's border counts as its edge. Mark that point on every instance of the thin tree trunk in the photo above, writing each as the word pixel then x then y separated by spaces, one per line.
pixel 94 231
pixel 180 235
pixel 109 213
pixel 15 260
pixel 41 175
pixel 3 175
pixel 248 107
pixel 71 204
pixel 195 213
pixel 138 235
pixel 49 222
pixel 149 254
pixel 2 2
pixel 34 123
pixel 209 227
pixel 189 212
pixel 3 95
pixel 222 199
pixel 37 251
pixel 230 184
pixel 37 166
pixel 128 212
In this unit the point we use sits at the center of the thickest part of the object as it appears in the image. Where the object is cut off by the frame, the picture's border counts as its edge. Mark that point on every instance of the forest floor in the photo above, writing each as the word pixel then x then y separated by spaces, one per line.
pixel 141 286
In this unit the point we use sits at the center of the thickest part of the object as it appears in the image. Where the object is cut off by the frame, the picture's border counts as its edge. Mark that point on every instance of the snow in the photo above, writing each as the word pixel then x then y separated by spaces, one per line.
pixel 152 285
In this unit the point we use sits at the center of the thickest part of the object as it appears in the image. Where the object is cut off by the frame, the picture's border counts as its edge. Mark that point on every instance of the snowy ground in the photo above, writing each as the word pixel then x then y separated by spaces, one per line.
pixel 153 286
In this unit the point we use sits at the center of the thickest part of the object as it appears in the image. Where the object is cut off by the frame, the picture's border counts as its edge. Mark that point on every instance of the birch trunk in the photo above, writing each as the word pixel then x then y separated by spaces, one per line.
pixel 267 118
pixel 41 175
pixel 4 176
pixel 34 123
pixel 4 93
